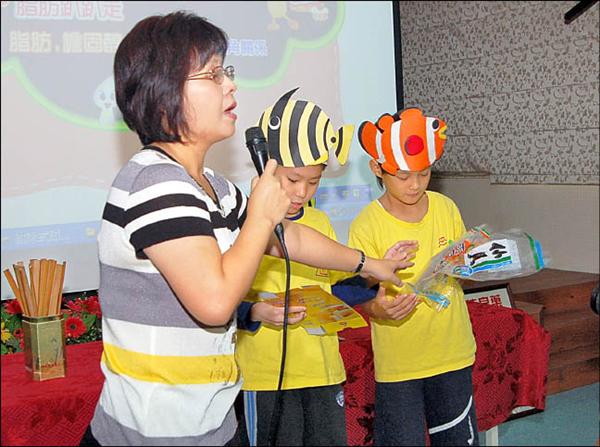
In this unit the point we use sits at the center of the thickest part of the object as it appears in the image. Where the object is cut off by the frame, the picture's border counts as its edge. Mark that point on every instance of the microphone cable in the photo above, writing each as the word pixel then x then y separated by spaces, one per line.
pixel 259 153
pixel 276 414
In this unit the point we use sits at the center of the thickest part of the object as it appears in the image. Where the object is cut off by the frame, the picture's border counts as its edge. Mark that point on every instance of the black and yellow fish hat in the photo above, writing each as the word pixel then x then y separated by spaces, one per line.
pixel 300 134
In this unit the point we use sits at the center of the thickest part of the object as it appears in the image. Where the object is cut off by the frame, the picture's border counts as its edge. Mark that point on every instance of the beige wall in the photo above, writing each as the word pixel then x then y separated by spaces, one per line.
pixel 565 219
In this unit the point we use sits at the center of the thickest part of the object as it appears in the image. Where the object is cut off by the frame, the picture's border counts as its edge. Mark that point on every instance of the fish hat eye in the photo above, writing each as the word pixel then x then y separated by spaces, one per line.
pixel 274 123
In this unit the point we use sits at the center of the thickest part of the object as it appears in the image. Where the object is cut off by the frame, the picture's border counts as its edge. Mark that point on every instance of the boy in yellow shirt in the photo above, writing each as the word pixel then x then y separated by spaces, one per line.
pixel 299 136
pixel 423 360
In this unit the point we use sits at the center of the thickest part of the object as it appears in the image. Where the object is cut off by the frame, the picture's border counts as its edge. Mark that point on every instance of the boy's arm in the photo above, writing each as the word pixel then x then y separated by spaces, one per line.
pixel 353 291
pixel 244 320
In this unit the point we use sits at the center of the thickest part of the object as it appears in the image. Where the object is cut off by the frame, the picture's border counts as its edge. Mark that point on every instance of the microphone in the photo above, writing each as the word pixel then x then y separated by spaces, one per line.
pixel 257 145
pixel 259 153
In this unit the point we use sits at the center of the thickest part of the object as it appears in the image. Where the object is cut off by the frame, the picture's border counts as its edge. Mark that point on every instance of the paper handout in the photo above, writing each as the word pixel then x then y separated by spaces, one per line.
pixel 325 313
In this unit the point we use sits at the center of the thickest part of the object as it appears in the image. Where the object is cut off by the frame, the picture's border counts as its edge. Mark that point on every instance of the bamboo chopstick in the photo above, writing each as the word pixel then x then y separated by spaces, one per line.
pixel 62 284
pixel 40 296
pixel 24 287
pixel 16 291
pixel 43 304
pixel 32 284
pixel 56 290
pixel 35 279
pixel 43 280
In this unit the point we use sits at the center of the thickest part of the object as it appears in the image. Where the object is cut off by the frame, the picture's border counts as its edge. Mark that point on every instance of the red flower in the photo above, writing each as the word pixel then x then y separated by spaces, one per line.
pixel 75 327
pixel 13 307
pixel 75 305
pixel 18 333
pixel 93 306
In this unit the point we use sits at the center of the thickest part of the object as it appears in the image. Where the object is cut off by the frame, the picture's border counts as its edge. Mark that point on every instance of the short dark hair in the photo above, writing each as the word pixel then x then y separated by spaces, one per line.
pixel 151 66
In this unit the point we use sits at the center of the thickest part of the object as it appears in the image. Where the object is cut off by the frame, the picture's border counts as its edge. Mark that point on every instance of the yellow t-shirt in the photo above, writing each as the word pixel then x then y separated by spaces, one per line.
pixel 426 342
pixel 311 360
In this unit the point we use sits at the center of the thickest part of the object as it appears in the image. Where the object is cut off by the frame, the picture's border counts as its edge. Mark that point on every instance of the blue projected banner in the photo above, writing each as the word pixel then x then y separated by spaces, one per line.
pixel 342 203
pixel 49 235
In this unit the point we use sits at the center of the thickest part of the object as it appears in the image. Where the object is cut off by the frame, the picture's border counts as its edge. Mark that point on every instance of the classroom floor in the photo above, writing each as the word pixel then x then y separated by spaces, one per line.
pixel 570 418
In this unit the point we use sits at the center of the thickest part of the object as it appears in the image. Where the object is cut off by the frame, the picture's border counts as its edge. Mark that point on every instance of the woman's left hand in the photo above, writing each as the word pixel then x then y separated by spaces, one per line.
pixel 385 269
pixel 397 257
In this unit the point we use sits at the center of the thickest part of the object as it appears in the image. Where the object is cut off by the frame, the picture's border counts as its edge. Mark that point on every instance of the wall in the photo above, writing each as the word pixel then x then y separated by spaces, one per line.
pixel 517 86
pixel 519 90
pixel 565 219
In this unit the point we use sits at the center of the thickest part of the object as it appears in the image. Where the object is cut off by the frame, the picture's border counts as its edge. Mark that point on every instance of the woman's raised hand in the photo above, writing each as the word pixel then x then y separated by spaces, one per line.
pixel 268 200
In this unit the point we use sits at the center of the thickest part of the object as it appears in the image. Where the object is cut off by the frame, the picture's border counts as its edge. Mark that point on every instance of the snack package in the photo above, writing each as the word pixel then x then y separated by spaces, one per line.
pixel 482 255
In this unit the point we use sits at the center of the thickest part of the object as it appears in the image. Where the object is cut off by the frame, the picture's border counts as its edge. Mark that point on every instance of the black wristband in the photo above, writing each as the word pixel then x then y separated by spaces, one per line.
pixel 361 263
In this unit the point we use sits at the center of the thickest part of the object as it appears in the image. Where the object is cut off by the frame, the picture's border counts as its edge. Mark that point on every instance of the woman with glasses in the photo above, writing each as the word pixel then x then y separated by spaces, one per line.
pixel 179 244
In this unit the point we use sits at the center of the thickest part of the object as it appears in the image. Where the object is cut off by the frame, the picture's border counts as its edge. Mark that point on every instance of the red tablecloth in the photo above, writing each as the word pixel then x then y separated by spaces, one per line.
pixel 511 369
pixel 55 411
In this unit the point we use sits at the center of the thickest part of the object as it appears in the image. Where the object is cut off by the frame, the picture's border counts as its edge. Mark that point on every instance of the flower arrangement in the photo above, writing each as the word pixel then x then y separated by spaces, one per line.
pixel 82 316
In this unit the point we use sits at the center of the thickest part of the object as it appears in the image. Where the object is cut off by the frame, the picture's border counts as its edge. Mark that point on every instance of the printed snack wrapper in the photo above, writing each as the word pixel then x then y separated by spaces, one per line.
pixel 482 255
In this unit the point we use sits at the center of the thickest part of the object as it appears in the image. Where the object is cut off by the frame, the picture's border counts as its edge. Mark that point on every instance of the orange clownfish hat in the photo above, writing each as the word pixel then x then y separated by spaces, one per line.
pixel 408 142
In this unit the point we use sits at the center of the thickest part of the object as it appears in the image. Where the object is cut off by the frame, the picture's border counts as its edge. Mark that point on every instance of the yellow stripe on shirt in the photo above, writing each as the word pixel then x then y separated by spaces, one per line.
pixel 172 370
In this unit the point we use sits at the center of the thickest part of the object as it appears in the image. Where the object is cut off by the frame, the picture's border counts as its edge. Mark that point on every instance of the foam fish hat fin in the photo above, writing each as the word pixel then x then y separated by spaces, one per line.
pixel 367 138
pixel 385 121
pixel 343 143
pixel 286 97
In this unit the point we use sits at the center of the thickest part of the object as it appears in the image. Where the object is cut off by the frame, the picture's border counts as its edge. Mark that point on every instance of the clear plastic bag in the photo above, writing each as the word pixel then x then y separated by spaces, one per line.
pixel 482 255
pixel 440 291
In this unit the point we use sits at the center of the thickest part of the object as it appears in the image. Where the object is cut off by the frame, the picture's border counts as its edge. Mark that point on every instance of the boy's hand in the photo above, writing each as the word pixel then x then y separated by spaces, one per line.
pixel 266 313
pixel 402 250
pixel 396 309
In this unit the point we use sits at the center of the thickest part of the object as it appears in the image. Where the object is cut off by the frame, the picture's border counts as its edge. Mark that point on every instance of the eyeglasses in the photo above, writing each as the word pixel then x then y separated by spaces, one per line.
pixel 217 74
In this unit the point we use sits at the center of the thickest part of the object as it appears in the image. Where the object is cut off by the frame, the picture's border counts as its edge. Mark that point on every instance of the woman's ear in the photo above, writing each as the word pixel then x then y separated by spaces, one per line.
pixel 375 168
